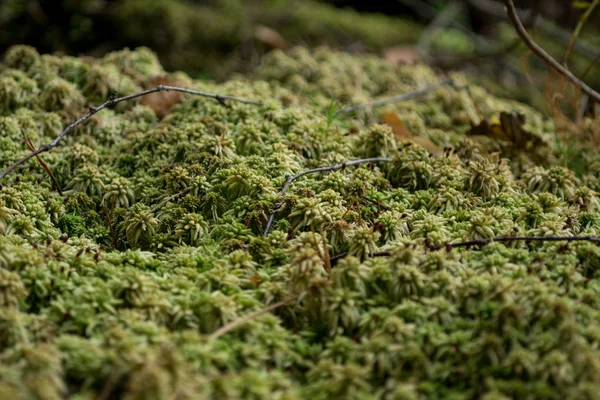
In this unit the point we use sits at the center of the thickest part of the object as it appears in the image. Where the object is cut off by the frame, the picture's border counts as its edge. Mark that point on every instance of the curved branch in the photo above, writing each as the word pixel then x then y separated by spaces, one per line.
pixel 393 99
pixel 291 179
pixel 111 101
pixel 547 58
pixel 484 242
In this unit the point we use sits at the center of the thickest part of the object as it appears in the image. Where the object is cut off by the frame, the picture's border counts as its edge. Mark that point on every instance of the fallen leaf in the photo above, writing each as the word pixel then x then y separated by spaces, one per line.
pixel 162 102
pixel 508 128
pixel 401 55
pixel 270 37
pixel 393 120
pixel 403 134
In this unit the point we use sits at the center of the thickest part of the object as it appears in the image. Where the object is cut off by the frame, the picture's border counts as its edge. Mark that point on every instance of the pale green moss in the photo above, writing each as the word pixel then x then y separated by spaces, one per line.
pixel 158 241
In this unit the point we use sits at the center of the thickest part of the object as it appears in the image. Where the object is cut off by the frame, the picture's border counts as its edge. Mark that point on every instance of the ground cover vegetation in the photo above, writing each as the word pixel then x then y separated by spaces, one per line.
pixel 136 260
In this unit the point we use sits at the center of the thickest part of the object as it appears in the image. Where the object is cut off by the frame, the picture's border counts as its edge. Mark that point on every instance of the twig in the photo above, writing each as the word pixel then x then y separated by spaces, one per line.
pixel 44 165
pixel 397 98
pixel 165 201
pixel 551 30
pixel 514 18
pixel 291 179
pixel 111 101
pixel 575 35
pixel 240 321
pixel 592 65
pixel 483 242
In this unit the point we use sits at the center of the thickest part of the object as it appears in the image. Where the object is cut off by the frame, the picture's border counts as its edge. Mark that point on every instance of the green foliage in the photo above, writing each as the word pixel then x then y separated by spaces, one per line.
pixel 116 287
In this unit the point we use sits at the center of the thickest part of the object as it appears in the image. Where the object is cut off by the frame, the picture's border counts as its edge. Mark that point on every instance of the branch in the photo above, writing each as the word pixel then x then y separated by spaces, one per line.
pixel 577 30
pixel 551 30
pixel 44 165
pixel 240 321
pixel 111 101
pixel 397 98
pixel 591 66
pixel 484 242
pixel 547 58
pixel 291 179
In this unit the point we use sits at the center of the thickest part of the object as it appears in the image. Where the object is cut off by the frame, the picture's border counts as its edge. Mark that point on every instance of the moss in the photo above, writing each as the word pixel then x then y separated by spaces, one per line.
pixel 158 242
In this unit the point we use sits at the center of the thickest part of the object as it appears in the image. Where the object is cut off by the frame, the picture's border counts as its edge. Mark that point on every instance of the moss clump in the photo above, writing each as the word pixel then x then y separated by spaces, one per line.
pixel 117 287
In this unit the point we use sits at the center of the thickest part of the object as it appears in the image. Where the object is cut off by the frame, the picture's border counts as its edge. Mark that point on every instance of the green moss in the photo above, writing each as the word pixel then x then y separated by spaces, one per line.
pixel 158 241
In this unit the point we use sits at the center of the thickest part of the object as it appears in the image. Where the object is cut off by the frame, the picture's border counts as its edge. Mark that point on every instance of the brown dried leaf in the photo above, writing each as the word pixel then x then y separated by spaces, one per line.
pixel 401 55
pixel 400 130
pixel 269 36
pixel 403 134
pixel 509 128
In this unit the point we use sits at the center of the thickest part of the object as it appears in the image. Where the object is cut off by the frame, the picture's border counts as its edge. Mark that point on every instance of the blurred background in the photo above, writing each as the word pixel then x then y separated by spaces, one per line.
pixel 213 39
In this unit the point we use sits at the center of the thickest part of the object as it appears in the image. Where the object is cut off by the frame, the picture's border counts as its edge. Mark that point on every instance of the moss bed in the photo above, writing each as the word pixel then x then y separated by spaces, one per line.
pixel 116 288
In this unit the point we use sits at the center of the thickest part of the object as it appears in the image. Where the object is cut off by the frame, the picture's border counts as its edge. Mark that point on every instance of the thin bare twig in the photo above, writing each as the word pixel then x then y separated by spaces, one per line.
pixel 584 17
pixel 44 165
pixel 397 98
pixel 547 58
pixel 483 242
pixel 166 200
pixel 240 321
pixel 591 66
pixel 111 101
pixel 291 179
pixel 551 30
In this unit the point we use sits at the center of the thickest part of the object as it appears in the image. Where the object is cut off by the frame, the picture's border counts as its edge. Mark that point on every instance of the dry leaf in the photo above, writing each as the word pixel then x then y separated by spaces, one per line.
pixel 509 128
pixel 401 55
pixel 403 134
pixel 162 102
pixel 269 36
pixel 400 130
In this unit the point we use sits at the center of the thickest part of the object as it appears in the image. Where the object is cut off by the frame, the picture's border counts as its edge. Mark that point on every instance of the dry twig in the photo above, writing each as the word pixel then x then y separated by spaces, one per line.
pixel 240 321
pixel 551 30
pixel 397 98
pixel 547 58
pixel 44 165
pixel 483 242
pixel 575 35
pixel 291 179
pixel 591 66
pixel 112 101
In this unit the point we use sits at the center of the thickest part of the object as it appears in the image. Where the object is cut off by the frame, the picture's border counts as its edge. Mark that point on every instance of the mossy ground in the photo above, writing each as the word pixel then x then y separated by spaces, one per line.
pixel 112 292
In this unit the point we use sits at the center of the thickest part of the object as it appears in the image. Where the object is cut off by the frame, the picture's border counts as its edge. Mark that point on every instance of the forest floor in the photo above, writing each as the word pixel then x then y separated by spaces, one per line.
pixel 309 237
